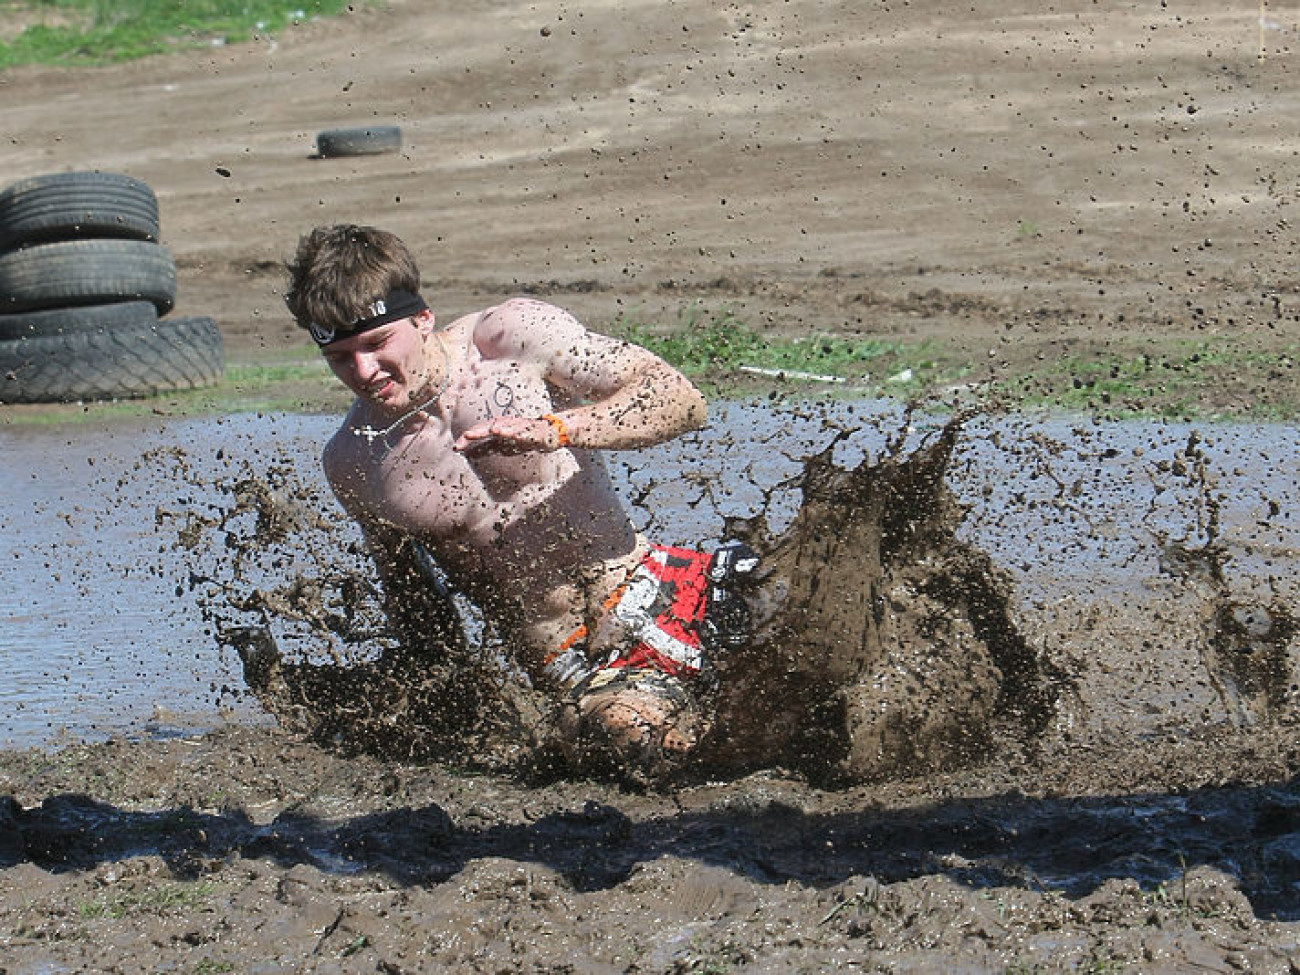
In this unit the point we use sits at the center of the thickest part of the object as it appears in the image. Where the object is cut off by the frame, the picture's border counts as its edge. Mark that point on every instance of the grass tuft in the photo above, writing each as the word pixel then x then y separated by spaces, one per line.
pixel 93 32
pixel 719 345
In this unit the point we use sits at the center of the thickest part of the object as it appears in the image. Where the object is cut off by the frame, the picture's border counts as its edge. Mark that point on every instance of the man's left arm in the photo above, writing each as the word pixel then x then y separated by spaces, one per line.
pixel 622 395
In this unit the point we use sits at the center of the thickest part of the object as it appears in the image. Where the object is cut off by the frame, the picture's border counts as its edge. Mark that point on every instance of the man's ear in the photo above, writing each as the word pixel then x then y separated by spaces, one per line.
pixel 425 321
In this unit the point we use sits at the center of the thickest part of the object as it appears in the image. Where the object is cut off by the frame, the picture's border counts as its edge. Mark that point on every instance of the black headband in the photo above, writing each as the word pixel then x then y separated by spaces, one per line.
pixel 394 306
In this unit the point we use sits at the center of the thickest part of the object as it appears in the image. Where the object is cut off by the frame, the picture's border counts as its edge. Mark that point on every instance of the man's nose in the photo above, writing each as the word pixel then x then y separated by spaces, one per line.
pixel 364 365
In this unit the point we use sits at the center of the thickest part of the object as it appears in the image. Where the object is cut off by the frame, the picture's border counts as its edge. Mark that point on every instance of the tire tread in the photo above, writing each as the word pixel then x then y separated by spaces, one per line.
pixel 86 272
pixel 124 363
pixel 69 206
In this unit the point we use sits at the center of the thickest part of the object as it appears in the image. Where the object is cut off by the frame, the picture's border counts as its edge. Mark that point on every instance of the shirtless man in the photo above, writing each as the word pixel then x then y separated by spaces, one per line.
pixel 480 441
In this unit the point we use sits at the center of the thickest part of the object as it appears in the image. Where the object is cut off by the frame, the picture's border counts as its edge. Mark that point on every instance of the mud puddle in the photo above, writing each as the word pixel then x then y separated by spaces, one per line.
pixel 1121 542
pixel 1150 820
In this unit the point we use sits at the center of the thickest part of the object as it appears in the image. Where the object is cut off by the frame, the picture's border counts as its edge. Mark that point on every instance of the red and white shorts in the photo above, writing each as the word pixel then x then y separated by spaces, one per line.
pixel 667 616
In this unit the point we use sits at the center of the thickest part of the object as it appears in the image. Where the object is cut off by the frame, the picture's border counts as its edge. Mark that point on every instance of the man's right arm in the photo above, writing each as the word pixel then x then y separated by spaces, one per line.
pixel 623 396
pixel 416 601
pixel 417 605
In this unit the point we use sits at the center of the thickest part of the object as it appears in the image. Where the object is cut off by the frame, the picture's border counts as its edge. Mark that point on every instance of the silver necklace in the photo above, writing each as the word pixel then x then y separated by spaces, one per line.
pixel 371 434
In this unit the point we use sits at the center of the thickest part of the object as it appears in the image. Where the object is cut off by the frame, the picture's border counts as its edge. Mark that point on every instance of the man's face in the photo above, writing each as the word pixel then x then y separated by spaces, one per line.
pixel 386 365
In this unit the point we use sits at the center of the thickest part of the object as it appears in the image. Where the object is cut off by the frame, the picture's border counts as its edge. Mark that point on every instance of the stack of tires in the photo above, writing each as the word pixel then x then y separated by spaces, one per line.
pixel 84 286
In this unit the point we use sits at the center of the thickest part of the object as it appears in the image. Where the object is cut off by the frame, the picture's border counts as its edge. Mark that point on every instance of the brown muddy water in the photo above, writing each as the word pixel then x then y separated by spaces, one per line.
pixel 1127 534
pixel 1147 818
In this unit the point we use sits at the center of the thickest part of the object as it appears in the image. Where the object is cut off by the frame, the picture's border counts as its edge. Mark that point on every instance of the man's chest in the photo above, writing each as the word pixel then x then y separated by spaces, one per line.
pixel 491 388
pixel 424 486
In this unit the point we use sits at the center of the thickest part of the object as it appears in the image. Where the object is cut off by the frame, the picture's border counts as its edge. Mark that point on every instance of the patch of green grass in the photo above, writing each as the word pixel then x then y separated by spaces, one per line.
pixel 304 386
pixel 90 910
pixel 89 32
pixel 1176 379
pixel 1180 379
pixel 299 384
pixel 700 343
pixel 715 346
pixel 167 897
pixel 308 367
pixel 1026 229
pixel 293 386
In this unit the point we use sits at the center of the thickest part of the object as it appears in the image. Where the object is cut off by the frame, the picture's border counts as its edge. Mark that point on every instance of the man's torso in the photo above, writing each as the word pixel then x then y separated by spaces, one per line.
pixel 541 534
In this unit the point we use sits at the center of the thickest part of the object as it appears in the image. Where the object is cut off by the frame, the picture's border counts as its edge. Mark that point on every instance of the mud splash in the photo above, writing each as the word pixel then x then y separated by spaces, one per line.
pixel 285 589
pixel 889 643
pixel 1243 643
pixel 884 645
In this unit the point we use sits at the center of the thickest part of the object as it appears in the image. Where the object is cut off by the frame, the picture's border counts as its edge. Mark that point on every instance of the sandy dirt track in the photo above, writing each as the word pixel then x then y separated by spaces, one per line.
pixel 1014 181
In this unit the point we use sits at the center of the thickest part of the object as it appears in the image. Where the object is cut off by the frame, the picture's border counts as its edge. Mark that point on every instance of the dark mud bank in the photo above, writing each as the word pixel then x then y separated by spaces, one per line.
pixel 249 845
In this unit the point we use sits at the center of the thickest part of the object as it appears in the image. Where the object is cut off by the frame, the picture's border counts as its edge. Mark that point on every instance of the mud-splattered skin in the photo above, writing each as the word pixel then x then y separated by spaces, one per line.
pixel 528 527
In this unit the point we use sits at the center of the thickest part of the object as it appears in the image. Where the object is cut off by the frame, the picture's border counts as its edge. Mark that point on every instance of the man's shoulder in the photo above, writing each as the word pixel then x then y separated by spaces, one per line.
pixel 520 308
pixel 517 325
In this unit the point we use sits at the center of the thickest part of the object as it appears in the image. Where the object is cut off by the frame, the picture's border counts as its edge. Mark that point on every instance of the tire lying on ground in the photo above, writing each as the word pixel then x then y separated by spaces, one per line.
pixel 86 272
pixel 112 363
pixel 67 206
pixel 359 142
pixel 83 318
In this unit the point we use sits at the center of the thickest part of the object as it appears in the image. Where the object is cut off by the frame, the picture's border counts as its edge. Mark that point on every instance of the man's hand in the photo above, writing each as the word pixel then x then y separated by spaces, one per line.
pixel 509 435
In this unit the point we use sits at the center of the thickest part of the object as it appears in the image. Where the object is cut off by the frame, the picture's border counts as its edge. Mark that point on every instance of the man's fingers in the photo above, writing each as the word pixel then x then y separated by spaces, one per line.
pixel 467 445
pixel 476 435
pixel 476 440
pixel 485 438
pixel 504 435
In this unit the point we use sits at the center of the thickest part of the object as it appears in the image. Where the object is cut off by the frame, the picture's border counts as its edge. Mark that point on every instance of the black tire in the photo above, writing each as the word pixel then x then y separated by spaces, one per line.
pixel 359 142
pixel 87 318
pixel 67 206
pixel 123 363
pixel 86 272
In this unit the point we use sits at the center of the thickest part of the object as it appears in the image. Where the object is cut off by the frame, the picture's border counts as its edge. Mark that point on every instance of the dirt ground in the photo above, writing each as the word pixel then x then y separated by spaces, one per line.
pixel 1012 182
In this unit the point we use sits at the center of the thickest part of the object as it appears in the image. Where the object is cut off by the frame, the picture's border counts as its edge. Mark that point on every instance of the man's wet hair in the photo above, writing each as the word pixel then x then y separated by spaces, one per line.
pixel 339 271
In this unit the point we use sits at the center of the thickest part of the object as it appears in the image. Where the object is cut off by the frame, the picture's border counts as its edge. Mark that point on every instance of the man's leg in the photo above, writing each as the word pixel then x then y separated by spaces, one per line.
pixel 640 717
pixel 636 724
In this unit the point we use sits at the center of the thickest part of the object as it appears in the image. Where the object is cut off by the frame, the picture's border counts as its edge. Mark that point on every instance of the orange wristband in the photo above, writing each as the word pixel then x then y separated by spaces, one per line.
pixel 561 431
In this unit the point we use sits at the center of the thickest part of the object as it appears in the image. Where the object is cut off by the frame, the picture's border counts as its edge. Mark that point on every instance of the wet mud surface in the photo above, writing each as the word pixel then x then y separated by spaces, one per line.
pixel 1128 800
pixel 1049 721
pixel 254 848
